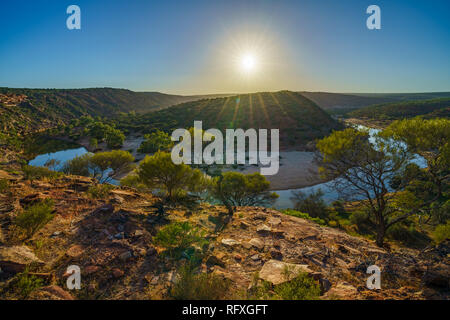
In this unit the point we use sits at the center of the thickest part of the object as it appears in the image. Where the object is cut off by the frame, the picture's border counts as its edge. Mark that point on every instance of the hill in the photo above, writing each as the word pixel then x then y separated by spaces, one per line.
pixel 407 109
pixel 348 101
pixel 29 110
pixel 299 119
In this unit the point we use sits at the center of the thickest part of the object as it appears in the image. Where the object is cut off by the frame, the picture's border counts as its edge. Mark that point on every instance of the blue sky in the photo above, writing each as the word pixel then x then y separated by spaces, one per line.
pixel 191 47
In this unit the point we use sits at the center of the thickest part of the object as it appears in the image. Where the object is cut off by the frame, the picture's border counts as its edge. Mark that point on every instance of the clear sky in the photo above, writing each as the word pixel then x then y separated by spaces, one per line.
pixel 199 47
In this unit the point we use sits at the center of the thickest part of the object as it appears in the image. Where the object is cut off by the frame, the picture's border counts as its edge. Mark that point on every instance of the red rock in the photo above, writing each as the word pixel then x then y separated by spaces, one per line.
pixel 57 293
pixel 117 273
pixel 75 251
pixel 90 269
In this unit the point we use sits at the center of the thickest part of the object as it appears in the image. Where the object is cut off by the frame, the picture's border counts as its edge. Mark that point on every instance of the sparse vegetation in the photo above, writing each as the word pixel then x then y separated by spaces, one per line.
pixel 179 236
pixel 99 191
pixel 36 173
pixel 198 286
pixel 35 217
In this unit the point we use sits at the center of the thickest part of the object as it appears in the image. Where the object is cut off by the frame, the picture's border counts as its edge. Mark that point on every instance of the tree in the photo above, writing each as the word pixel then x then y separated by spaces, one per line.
pixel 98 130
pixel 429 188
pixel 312 204
pixel 156 141
pixel 361 168
pixel 114 138
pixel 237 189
pixel 158 171
pixel 93 143
pixel 109 165
pixel 103 166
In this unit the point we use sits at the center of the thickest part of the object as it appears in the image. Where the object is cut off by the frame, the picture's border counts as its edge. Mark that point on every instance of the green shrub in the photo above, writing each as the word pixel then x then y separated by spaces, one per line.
pixel 178 236
pixel 27 283
pixel 203 286
pixel 302 287
pixel 33 173
pixel 358 218
pixel 311 204
pixel 99 191
pixel 156 141
pixel 303 215
pixel 35 217
pixel 442 232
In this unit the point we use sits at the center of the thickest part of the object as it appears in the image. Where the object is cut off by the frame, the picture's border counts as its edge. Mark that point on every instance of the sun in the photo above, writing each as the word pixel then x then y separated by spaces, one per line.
pixel 248 63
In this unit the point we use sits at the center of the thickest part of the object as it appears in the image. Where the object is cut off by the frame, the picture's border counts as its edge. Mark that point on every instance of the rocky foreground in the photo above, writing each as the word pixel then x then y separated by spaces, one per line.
pixel 111 241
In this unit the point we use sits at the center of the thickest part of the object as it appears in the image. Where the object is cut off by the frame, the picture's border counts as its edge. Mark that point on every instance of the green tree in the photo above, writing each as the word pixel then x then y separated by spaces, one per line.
pixel 103 166
pixel 114 138
pixel 362 168
pixel 109 165
pixel 159 171
pixel 156 141
pixel 428 188
pixel 237 189
pixel 312 204
pixel 93 143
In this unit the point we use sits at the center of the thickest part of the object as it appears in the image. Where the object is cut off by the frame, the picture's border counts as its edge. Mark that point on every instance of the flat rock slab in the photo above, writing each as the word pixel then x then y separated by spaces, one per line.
pixel 16 258
pixel 274 271
pixel 230 242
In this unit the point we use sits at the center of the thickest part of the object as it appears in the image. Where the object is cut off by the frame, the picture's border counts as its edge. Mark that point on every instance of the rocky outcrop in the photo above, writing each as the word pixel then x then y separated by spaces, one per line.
pixel 17 258
pixel 277 272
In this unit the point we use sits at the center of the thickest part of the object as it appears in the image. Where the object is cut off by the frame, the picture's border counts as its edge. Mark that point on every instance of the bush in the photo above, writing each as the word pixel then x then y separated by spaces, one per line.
pixel 359 218
pixel 99 191
pixel 33 173
pixel 35 217
pixel 78 166
pixel 156 141
pixel 303 215
pixel 26 284
pixel 297 287
pixel 311 204
pixel 178 236
pixel 132 181
pixel 159 171
pixel 302 287
pixel 203 286
pixel 442 232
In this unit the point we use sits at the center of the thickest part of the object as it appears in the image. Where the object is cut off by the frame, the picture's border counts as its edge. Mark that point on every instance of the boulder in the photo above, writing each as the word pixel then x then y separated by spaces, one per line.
pixel 274 221
pixel 90 269
pixel 342 290
pixel 274 271
pixel 257 243
pixel 263 229
pixel 16 258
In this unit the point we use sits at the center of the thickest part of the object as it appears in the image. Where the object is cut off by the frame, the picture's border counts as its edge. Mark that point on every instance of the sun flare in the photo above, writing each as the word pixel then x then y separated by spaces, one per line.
pixel 248 63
